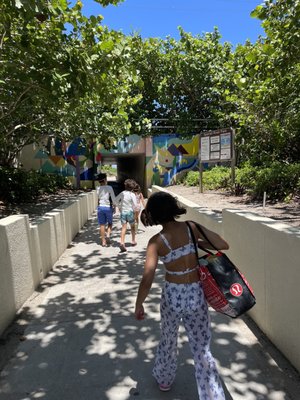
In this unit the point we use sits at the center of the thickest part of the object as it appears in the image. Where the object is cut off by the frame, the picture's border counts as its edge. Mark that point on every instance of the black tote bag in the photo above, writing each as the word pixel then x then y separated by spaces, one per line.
pixel 225 287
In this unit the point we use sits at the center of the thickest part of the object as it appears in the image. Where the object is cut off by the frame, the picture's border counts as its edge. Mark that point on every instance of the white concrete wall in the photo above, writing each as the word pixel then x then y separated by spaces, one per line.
pixel 28 251
pixel 16 278
pixel 267 252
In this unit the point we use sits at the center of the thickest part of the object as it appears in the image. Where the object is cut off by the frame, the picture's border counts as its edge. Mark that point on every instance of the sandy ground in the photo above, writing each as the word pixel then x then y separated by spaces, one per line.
pixel 42 205
pixel 213 200
pixel 217 200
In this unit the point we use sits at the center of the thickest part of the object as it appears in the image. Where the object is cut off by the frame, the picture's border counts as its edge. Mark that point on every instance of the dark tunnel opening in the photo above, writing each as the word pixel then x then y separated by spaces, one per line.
pixel 128 166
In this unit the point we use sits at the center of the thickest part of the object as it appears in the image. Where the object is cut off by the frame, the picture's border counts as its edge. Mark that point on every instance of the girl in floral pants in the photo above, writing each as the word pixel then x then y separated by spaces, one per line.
pixel 182 295
pixel 186 302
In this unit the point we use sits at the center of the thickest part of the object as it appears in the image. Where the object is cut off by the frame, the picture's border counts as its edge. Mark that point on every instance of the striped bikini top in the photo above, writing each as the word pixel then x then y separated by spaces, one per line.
pixel 174 254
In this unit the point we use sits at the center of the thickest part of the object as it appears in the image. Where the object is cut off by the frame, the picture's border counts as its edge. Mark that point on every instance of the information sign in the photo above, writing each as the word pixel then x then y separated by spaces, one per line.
pixel 217 146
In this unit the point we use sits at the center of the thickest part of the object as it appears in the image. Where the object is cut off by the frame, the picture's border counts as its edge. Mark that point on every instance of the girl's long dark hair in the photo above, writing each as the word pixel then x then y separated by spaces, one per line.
pixel 161 207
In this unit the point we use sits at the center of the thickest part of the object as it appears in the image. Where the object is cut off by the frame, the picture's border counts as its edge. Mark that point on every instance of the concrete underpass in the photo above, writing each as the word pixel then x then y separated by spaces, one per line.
pixel 128 166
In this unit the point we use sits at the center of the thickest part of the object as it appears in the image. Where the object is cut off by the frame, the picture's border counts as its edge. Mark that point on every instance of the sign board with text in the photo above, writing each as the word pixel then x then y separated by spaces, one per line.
pixel 216 146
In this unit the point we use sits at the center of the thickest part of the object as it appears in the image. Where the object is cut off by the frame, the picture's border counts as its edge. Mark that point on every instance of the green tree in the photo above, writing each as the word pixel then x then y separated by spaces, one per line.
pixel 64 74
pixel 61 74
pixel 185 82
pixel 267 78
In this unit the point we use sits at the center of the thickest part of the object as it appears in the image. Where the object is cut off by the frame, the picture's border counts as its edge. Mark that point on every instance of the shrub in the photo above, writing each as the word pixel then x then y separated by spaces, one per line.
pixel 19 186
pixel 280 181
pixel 191 179
pixel 245 179
pixel 215 178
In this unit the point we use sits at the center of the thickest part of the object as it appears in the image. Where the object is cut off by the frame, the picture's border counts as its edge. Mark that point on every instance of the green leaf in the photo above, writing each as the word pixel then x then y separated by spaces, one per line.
pixel 19 4
pixel 107 45
pixel 94 57
pixel 258 12
pixel 268 49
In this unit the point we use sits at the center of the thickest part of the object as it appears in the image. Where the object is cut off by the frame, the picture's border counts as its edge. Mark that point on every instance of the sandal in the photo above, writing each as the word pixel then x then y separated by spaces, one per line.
pixel 122 248
pixel 164 388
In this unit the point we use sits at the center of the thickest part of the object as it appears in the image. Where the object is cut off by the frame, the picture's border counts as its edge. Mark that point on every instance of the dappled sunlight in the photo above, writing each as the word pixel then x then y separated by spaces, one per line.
pixel 22 356
pixel 101 344
pixel 83 336
pixel 223 342
pixel 46 339
pixel 39 394
pixel 120 391
pixel 243 368
pixel 129 353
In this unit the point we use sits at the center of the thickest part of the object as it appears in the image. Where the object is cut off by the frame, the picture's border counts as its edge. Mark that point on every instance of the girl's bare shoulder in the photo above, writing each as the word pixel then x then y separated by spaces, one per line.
pixel 154 238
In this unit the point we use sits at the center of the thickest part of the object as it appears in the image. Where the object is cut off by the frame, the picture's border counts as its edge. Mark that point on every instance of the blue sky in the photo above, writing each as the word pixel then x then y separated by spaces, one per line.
pixel 159 18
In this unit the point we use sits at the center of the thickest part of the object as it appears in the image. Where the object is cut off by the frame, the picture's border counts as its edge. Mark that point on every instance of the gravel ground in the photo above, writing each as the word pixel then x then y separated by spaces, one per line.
pixel 217 200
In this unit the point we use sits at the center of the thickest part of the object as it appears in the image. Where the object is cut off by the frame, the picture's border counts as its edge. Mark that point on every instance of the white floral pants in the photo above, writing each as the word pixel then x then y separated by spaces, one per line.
pixel 186 302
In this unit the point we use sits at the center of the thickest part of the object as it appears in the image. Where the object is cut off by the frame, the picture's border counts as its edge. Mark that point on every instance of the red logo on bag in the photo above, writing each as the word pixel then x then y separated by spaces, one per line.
pixel 236 290
pixel 203 275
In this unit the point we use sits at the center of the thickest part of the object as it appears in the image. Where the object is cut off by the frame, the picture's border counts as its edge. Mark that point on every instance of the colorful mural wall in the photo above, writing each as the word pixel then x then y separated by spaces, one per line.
pixel 167 157
pixel 74 159
pixel 131 144
pixel 171 156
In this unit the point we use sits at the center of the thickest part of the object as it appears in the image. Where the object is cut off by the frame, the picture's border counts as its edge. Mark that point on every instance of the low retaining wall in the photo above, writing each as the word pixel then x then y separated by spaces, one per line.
pixel 28 251
pixel 266 251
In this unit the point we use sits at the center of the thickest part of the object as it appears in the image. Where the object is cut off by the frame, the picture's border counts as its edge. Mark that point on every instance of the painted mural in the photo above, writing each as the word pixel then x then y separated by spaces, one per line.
pixel 171 156
pixel 129 144
pixel 78 158
pixel 167 156
pixel 73 159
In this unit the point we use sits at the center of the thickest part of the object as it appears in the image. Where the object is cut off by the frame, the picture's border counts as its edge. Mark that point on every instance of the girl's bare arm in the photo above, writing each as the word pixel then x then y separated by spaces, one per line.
pixel 218 242
pixel 147 279
pixel 142 200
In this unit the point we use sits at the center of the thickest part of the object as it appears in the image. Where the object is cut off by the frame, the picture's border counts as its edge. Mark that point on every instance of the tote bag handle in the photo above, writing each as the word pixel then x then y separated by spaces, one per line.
pixel 205 237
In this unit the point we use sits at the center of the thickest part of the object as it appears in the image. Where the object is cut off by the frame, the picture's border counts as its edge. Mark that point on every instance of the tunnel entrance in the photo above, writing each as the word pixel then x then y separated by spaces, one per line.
pixel 128 166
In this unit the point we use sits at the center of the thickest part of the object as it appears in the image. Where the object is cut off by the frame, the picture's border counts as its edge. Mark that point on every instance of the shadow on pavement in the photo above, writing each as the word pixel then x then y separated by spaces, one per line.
pixel 82 341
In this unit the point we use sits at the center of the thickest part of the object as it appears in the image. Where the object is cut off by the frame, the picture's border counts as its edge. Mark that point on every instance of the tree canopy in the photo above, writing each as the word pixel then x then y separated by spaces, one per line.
pixel 269 82
pixel 64 74
pixel 61 74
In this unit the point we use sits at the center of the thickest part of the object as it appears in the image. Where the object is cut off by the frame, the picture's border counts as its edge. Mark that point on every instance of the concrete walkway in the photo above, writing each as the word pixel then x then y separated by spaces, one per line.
pixel 77 339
